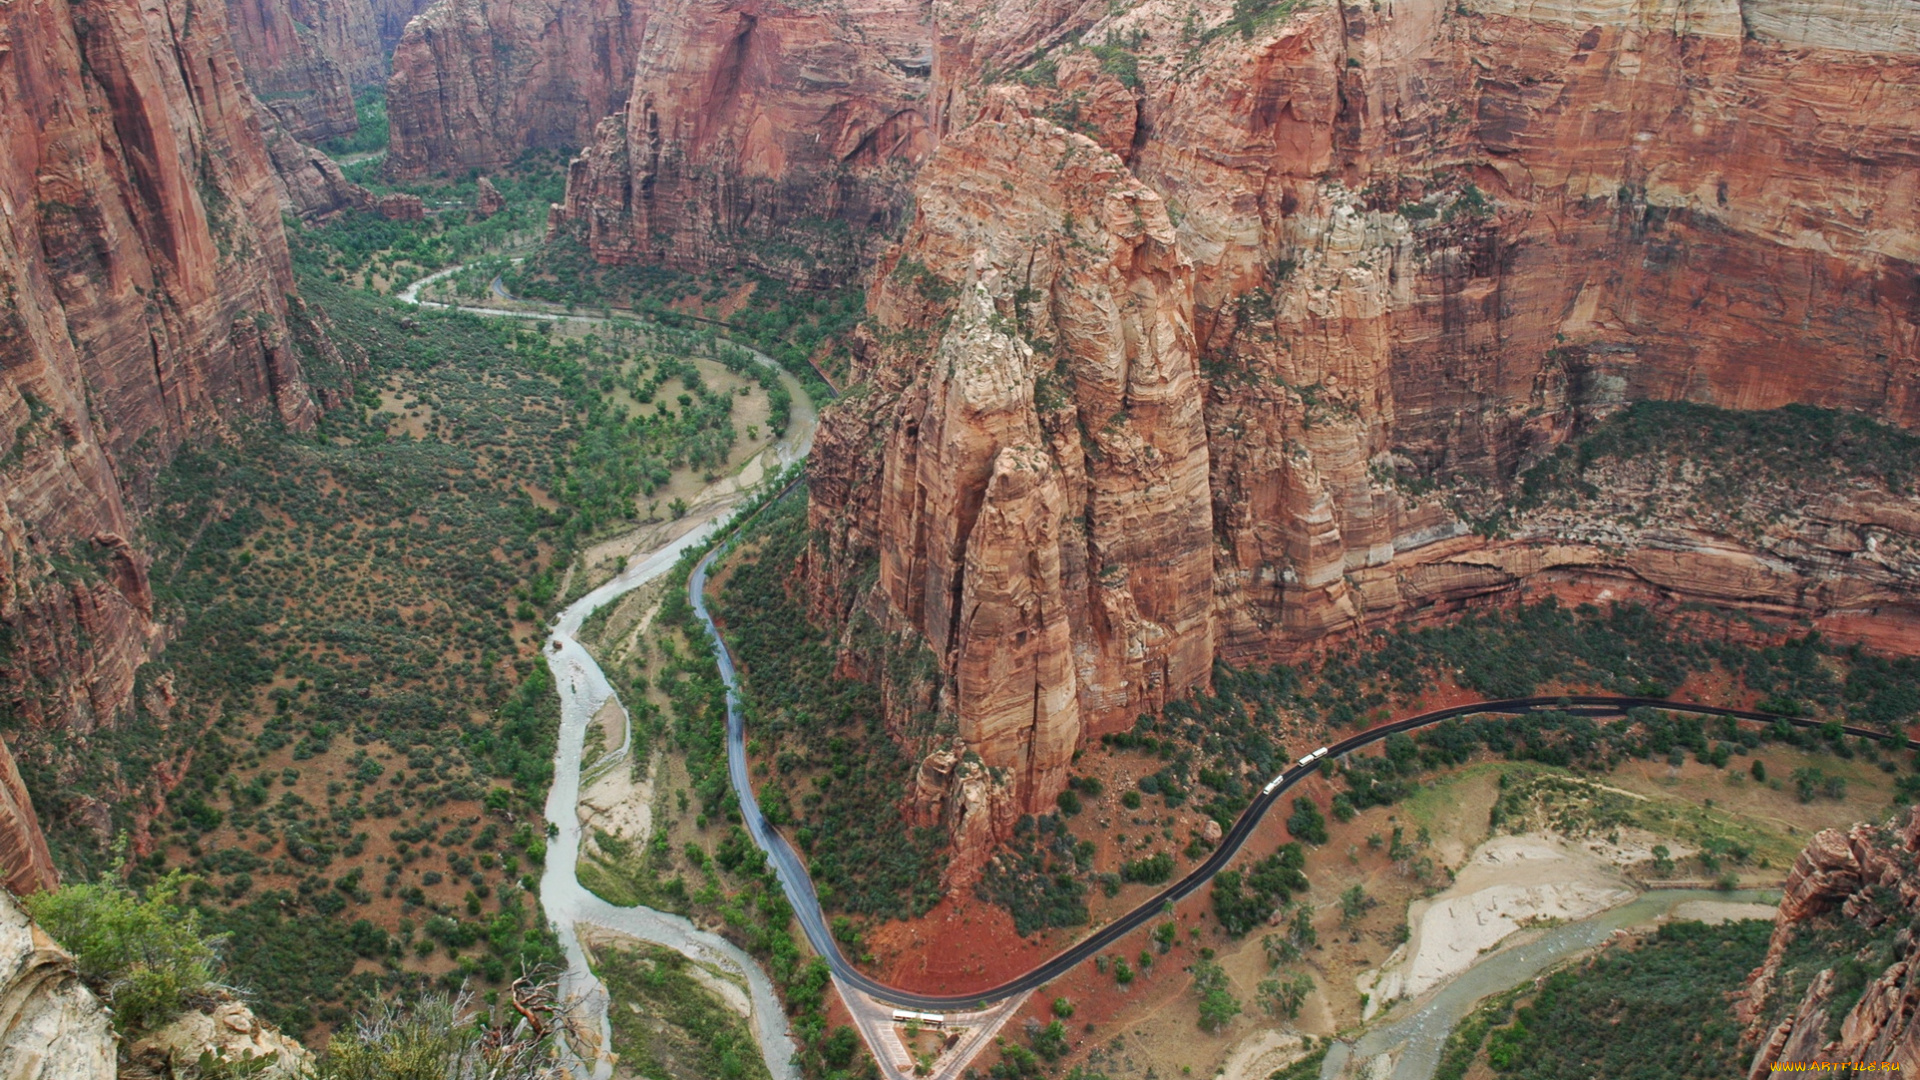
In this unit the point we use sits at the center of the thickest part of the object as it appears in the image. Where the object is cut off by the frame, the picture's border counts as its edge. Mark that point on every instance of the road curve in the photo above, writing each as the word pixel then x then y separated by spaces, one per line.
pixel 791 868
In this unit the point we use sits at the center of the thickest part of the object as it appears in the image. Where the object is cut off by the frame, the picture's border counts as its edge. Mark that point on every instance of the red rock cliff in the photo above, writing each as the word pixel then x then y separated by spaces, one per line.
pixel 1411 241
pixel 477 82
pixel 774 134
pixel 144 276
pixel 292 70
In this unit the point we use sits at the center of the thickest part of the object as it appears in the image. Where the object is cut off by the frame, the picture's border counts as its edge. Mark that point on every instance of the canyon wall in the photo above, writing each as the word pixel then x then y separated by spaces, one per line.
pixel 305 58
pixel 1418 246
pixel 144 276
pixel 292 71
pixel 1858 886
pixel 478 82
pixel 776 135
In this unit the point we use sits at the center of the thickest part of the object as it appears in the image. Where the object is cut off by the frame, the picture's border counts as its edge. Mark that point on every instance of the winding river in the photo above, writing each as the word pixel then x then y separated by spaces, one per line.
pixel 583 689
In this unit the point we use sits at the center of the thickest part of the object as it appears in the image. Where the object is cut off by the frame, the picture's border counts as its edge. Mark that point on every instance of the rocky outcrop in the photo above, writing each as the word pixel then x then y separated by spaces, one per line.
pixel 401 207
pixel 1408 247
pixel 220 1032
pixel 778 135
pixel 1011 515
pixel 478 82
pixel 311 183
pixel 51 1026
pixel 487 200
pixel 1864 883
pixel 143 283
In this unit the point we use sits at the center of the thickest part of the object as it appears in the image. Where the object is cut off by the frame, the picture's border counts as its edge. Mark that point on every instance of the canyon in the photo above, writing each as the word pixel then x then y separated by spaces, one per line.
pixel 1219 332
pixel 146 282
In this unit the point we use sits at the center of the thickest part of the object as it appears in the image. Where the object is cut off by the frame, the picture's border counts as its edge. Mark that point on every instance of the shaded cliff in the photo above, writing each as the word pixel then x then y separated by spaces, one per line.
pixel 1419 247
pixel 145 278
pixel 775 135
pixel 478 82
pixel 1841 981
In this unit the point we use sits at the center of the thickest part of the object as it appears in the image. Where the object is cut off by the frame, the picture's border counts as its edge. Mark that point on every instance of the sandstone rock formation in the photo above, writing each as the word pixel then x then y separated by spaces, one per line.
pixel 1865 876
pixel 779 135
pixel 477 82
pixel 487 200
pixel 311 183
pixel 291 70
pixel 223 1031
pixel 1365 253
pixel 401 207
pixel 144 276
pixel 51 1027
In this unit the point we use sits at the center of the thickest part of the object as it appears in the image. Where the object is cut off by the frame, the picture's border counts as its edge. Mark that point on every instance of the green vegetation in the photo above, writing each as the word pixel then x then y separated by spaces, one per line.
pixel 1245 899
pixel 143 953
pixel 1218 1006
pixel 363 248
pixel 836 771
pixel 437 1036
pixel 681 1030
pixel 797 327
pixel 370 105
pixel 1038 875
pixel 1670 991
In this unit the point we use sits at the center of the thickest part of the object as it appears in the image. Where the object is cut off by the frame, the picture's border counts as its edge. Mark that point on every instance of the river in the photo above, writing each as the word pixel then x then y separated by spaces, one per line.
pixel 1416 1039
pixel 583 689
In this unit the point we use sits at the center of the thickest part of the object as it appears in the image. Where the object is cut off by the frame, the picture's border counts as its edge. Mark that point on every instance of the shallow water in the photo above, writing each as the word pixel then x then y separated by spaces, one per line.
pixel 1416 1038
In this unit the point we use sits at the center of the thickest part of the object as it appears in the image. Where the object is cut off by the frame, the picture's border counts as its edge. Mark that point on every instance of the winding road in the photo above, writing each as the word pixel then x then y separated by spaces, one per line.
pixel 800 891
pixel 583 688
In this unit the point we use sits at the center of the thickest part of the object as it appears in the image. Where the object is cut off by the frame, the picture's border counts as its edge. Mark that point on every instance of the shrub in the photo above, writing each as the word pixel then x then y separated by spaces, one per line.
pixel 143 953
pixel 1307 822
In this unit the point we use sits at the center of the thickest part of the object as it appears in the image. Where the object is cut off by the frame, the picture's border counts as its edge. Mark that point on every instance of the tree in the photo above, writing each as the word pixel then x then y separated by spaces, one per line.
pixel 1218 1006
pixel 1353 904
pixel 1284 997
pixel 143 953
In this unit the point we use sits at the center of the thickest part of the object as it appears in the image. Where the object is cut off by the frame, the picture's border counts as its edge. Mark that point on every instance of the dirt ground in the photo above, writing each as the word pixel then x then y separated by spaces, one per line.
pixel 1151 1025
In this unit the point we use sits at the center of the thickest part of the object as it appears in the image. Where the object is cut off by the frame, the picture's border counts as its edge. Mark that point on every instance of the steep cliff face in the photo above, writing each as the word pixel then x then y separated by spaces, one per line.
pixel 296 73
pixel 477 82
pixel 1420 245
pixel 1841 981
pixel 778 135
pixel 144 276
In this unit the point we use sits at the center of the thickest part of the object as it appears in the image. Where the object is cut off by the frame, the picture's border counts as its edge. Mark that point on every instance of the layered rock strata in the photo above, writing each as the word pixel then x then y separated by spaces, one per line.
pixel 1865 876
pixel 478 82
pixel 777 135
pixel 143 284
pixel 1419 245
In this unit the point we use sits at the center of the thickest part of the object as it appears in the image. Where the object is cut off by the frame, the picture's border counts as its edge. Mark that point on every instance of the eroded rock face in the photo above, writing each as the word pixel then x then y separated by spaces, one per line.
pixel 292 70
pixel 1406 245
pixel 1865 875
pixel 144 274
pixel 774 134
pixel 51 1027
pixel 1011 519
pixel 477 82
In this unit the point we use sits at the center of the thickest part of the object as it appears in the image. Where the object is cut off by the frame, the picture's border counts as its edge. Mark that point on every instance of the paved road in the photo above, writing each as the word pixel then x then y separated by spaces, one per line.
pixel 792 871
